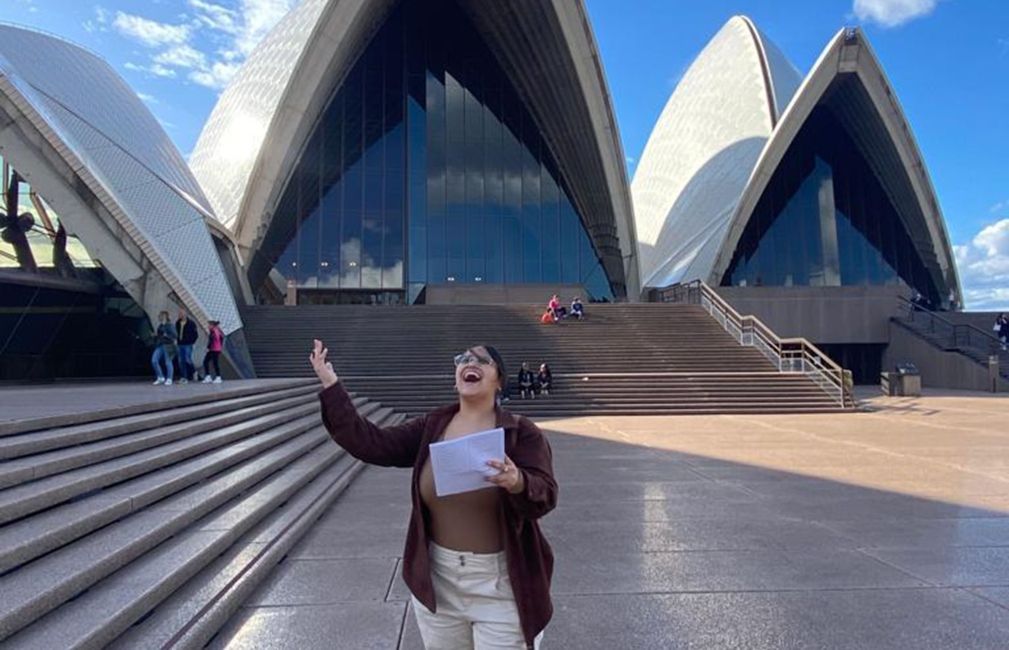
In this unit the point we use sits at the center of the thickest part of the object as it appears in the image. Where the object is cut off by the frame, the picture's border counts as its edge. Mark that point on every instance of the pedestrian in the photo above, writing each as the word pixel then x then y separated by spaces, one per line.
pixel 548 317
pixel 1002 329
pixel 555 308
pixel 526 381
pixel 165 339
pixel 544 379
pixel 476 563
pixel 215 343
pixel 577 308
pixel 187 338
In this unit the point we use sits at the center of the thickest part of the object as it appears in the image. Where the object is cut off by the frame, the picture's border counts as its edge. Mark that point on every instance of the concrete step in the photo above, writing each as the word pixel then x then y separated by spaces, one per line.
pixel 165 402
pixel 62 460
pixel 194 613
pixel 40 586
pixel 35 442
pixel 44 493
pixel 108 608
pixel 34 536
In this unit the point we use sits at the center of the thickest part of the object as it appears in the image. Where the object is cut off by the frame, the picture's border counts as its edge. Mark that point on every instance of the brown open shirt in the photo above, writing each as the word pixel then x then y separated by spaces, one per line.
pixel 530 560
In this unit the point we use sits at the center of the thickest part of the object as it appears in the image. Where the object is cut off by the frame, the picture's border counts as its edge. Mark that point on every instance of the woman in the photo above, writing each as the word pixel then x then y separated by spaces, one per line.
pixel 544 378
pixel 476 563
pixel 215 343
pixel 1003 330
pixel 164 349
pixel 526 382
pixel 187 338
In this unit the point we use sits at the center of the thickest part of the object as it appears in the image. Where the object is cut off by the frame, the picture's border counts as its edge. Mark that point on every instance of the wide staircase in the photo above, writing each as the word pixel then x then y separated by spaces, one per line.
pixel 964 333
pixel 625 359
pixel 148 527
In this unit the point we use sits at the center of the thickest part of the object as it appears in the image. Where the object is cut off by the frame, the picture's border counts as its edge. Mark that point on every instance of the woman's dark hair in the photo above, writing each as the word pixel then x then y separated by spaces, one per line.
pixel 495 356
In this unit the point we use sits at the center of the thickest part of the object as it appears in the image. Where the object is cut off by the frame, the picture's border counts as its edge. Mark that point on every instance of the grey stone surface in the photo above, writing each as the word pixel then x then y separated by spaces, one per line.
pixel 998 595
pixel 917 533
pixel 636 572
pixel 40 441
pixel 34 536
pixel 103 612
pixel 346 626
pixel 922 619
pixel 324 582
pixel 37 407
pixel 185 603
pixel 814 531
pixel 958 566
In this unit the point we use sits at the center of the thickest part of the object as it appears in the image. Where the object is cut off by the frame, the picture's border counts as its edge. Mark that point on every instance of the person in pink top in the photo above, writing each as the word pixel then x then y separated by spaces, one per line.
pixel 556 309
pixel 215 343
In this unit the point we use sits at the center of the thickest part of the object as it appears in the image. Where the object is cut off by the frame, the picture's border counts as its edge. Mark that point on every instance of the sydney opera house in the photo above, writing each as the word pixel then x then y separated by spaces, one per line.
pixel 411 151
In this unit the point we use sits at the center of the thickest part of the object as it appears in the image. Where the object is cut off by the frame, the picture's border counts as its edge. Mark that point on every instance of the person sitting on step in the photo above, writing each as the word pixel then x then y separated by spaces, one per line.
pixel 544 379
pixel 526 381
pixel 577 308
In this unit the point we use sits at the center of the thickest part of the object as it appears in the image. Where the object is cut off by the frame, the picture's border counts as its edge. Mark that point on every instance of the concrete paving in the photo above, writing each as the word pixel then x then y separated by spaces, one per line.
pixel 882 529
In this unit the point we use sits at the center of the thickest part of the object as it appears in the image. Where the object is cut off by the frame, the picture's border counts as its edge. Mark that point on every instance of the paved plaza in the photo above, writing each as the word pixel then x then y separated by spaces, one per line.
pixel 881 529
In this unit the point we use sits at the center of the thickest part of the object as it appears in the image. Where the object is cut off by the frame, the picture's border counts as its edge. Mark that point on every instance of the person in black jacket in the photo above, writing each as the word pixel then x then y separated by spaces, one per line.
pixel 526 382
pixel 187 338
pixel 544 379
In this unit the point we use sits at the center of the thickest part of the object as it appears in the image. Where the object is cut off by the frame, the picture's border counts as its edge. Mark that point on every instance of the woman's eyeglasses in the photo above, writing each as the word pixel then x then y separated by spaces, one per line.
pixel 467 358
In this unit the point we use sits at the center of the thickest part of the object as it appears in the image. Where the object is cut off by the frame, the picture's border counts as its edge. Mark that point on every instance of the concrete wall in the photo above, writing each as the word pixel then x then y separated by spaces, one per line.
pixel 498 294
pixel 820 314
pixel 939 368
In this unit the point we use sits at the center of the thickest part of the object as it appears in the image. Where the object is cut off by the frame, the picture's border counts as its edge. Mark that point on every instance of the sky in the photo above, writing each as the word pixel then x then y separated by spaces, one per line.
pixel 948 61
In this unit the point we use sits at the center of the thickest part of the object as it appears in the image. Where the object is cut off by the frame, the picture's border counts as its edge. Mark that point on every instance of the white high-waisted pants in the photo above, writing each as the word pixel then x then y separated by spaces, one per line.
pixel 476 606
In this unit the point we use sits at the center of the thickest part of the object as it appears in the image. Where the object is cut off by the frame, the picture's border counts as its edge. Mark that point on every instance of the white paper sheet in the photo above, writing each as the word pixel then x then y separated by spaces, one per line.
pixel 460 465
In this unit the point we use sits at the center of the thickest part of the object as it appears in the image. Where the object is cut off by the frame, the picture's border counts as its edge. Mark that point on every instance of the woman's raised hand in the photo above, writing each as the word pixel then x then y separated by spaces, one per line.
pixel 323 369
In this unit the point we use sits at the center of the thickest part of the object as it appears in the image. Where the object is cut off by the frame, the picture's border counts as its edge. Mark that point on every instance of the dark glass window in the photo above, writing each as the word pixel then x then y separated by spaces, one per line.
pixel 825 220
pixel 426 168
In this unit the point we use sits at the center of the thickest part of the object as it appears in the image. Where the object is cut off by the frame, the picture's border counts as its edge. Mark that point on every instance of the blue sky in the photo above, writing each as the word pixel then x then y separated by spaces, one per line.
pixel 947 59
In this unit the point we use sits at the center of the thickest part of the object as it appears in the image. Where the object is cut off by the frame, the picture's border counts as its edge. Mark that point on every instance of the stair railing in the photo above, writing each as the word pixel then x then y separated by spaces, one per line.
pixel 789 355
pixel 951 335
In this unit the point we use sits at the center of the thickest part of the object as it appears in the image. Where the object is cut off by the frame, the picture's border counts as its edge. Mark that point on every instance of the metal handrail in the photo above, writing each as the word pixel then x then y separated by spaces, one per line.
pixel 957 335
pixel 790 355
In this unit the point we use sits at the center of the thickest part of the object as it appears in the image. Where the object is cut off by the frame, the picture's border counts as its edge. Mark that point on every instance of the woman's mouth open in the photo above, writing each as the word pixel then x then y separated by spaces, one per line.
pixel 472 376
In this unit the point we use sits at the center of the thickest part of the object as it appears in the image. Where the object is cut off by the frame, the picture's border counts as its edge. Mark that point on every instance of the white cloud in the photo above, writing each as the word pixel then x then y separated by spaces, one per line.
pixel 182 56
pixel 150 32
pixel 984 268
pixel 216 76
pixel 999 207
pixel 155 69
pixel 100 23
pixel 211 44
pixel 891 13
pixel 150 99
pixel 215 16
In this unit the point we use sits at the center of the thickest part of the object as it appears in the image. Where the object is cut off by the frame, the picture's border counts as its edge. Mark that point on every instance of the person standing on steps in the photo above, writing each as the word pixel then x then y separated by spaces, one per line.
pixel 477 564
pixel 1002 330
pixel 187 338
pixel 165 338
pixel 215 344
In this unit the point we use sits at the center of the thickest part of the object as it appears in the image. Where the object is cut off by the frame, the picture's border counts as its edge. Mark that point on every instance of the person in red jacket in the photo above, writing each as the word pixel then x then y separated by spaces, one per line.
pixel 476 563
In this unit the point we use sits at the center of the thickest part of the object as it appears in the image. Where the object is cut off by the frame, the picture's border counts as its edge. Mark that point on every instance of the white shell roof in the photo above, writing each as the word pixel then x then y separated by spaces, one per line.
pixel 111 140
pixel 229 146
pixel 699 157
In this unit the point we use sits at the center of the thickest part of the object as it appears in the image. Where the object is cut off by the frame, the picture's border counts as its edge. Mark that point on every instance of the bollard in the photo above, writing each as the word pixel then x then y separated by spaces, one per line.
pixel 993 372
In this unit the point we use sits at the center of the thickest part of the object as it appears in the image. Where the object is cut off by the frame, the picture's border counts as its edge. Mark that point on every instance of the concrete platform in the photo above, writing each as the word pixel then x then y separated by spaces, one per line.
pixel 882 529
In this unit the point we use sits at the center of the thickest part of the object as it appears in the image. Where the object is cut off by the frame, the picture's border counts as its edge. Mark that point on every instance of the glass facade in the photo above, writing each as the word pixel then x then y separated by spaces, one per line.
pixel 825 220
pixel 36 242
pixel 425 168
